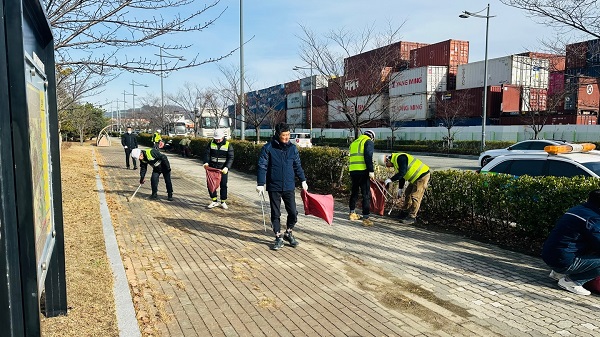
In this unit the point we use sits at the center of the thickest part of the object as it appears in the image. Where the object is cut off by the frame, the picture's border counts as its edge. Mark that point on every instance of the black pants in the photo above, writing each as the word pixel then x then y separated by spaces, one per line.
pixel 127 156
pixel 222 188
pixel 154 181
pixel 362 181
pixel 289 200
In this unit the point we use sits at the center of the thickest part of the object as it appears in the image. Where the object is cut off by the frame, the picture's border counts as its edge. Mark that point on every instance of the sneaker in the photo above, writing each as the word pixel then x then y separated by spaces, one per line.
pixel 289 237
pixel 170 197
pixel 154 196
pixel 409 220
pixel 354 216
pixel 224 205
pixel 278 244
pixel 572 286
pixel 213 204
pixel 367 222
pixel 555 275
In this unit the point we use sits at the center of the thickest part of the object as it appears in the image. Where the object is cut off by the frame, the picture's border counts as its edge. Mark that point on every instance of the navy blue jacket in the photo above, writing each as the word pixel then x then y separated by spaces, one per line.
pixel 278 164
pixel 576 233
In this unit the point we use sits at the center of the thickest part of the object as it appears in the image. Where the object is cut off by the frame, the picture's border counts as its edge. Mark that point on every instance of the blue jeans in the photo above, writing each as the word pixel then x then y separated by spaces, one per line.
pixel 583 269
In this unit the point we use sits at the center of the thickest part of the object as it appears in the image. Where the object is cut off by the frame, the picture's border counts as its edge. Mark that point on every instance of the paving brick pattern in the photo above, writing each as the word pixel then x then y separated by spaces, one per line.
pixel 211 273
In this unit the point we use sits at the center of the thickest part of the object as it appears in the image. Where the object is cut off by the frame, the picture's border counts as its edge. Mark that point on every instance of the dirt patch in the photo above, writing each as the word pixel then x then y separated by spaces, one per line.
pixel 90 299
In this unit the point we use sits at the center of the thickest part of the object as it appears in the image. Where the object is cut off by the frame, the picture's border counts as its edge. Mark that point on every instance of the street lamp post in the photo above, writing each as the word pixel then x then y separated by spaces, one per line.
pixel 242 97
pixel 311 94
pixel 162 94
pixel 133 85
pixel 487 17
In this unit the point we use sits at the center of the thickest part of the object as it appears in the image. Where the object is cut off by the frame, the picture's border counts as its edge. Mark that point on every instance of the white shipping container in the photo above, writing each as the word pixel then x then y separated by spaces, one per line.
pixel 372 107
pixel 412 107
pixel 419 80
pixel 516 70
pixel 295 117
pixel 296 100
pixel 318 82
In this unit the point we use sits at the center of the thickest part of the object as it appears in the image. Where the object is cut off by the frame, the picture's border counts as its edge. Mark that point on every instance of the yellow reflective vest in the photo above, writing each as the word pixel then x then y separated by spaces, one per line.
pixel 357 154
pixel 415 167
pixel 156 138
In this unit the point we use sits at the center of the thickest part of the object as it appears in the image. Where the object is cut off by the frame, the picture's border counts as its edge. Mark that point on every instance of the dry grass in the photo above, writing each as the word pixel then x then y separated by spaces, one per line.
pixel 89 278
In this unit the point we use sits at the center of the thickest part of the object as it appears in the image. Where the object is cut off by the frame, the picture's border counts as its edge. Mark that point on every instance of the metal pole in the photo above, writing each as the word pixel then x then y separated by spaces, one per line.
pixel 162 96
pixel 124 101
pixel 311 100
pixel 133 107
pixel 485 64
pixel 242 114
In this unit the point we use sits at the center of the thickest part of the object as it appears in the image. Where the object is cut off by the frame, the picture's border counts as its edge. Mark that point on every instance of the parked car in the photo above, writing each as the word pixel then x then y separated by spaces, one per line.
pixel 559 164
pixel 302 139
pixel 526 146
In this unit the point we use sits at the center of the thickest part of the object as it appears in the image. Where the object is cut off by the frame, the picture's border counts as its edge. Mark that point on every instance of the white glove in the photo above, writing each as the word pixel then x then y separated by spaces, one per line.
pixel 225 170
pixel 125 146
pixel 400 192
pixel 304 186
pixel 387 182
pixel 205 165
pixel 372 175
pixel 260 190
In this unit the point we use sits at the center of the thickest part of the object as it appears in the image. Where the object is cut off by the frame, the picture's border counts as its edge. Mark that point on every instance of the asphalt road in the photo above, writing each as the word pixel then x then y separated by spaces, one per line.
pixel 441 162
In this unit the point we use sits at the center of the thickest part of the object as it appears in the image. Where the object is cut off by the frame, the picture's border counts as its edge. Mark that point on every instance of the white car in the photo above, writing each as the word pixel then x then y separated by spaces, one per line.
pixel 581 162
pixel 301 139
pixel 526 146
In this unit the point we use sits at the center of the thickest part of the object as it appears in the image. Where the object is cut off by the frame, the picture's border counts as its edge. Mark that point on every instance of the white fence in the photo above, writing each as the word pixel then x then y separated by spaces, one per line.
pixel 513 133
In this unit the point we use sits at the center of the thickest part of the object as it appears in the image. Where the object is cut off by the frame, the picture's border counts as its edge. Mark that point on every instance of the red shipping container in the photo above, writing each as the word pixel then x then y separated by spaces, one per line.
pixel 551 120
pixel 395 55
pixel 511 99
pixel 359 84
pixel 557 62
pixel 576 55
pixel 556 82
pixel 450 53
pixel 534 99
pixel 319 116
pixel 469 102
pixel 587 95
pixel 292 87
pixel 319 97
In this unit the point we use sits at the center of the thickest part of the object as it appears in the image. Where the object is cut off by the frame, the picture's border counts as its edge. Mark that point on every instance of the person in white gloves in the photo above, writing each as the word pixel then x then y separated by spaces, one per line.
pixel 278 165
pixel 361 173
pixel 219 155
pixel 416 173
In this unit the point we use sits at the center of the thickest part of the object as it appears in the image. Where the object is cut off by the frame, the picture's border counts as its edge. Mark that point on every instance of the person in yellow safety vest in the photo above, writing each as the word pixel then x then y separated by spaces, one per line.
pixel 219 154
pixel 361 173
pixel 156 138
pixel 160 165
pixel 416 173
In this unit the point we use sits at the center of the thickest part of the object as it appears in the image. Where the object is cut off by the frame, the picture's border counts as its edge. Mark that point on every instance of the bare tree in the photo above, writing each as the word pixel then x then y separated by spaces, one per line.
pixel 261 107
pixel 187 98
pixel 358 82
pixel 92 38
pixel 451 110
pixel 538 106
pixel 228 87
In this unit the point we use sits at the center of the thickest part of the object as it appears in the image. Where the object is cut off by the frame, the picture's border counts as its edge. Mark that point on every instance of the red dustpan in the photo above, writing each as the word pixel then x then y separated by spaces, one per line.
pixel 213 178
pixel 318 205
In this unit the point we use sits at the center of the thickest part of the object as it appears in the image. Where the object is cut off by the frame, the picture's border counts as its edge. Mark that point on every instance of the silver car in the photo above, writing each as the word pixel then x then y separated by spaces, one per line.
pixel 526 146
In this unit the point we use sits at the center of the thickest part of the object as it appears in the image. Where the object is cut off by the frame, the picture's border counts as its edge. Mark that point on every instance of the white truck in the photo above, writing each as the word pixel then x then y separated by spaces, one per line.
pixel 210 120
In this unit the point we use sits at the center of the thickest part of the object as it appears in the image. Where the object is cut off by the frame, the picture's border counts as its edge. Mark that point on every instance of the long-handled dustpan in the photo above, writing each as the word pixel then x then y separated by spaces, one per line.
pixel 131 198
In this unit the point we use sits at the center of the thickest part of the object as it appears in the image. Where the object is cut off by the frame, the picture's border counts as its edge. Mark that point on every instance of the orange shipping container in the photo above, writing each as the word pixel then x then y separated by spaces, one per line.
pixel 319 116
pixel 450 53
pixel 587 95
pixel 292 87
pixel 395 55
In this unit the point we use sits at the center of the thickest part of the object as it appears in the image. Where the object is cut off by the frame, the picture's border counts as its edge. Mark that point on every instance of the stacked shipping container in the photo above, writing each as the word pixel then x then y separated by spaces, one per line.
pixel 581 77
pixel 517 70
pixel 450 53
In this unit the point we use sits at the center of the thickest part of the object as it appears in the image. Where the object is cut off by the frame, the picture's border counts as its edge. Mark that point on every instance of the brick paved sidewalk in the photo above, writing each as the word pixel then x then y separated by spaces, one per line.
pixel 203 272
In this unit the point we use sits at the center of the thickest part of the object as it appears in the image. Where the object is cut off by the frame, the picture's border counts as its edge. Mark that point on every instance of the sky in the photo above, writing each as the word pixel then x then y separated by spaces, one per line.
pixel 273 27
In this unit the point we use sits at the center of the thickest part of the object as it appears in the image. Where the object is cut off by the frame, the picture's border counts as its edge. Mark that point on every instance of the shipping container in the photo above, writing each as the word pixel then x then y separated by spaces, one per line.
pixel 553 119
pixel 513 69
pixel 395 55
pixel 266 100
pixel 589 71
pixel 414 123
pixel 576 55
pixel 450 53
pixel 412 107
pixel 319 97
pixel 364 84
pixel 296 100
pixel 593 52
pixel 296 118
pixel 451 82
pixel 319 116
pixel 293 86
pixel 587 95
pixel 318 81
pixel 418 80
pixel 534 99
pixel 370 107
pixel 467 121
pixel 469 102
pixel 557 62
pixel 556 83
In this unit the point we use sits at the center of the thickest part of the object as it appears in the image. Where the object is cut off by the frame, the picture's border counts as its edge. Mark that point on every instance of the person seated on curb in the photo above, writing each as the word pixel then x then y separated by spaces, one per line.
pixel 572 247
pixel 413 170
pixel 160 165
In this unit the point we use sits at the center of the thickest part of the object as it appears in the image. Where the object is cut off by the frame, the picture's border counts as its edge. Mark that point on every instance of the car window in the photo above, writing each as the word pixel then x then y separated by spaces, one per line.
pixel 531 168
pixel 501 167
pixel 593 166
pixel 538 145
pixel 560 168
pixel 521 146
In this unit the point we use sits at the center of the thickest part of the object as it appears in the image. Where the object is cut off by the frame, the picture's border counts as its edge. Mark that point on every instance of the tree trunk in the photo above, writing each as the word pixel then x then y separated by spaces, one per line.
pixel 81 136
pixel 257 134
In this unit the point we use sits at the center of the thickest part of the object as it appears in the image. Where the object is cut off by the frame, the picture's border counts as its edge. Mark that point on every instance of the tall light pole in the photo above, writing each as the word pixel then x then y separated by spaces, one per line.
pixel 133 85
pixel 124 101
pixel 487 17
pixel 242 114
pixel 162 93
pixel 311 94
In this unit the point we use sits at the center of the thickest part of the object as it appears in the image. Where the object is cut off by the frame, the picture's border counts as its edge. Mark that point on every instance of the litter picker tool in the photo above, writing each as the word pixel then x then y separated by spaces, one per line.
pixel 131 198
pixel 262 206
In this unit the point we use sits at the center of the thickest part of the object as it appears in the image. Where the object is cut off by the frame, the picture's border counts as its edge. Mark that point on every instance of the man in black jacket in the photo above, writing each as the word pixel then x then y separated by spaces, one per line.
pixel 129 142
pixel 278 165
pixel 219 155
pixel 160 165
